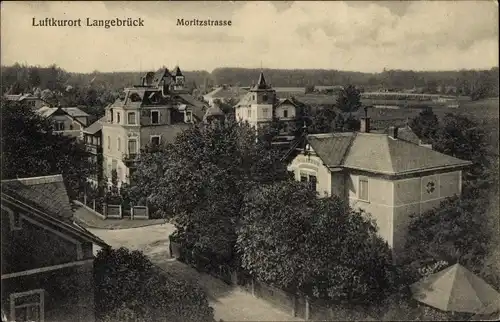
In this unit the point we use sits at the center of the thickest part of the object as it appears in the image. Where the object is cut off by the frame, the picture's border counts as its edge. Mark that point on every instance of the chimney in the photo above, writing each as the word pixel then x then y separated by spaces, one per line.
pixel 393 132
pixel 365 122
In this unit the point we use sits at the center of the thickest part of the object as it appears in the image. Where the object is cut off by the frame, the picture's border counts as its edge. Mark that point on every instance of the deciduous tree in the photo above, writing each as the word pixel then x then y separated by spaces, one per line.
pixel 349 99
pixel 320 247
pixel 200 181
pixel 30 148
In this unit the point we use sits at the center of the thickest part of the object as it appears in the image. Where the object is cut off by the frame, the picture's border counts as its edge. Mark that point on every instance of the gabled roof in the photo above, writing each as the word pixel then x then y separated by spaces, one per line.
pixel 213 111
pixel 282 101
pixel 45 197
pixel 378 153
pixel 95 127
pixel 160 75
pixel 74 111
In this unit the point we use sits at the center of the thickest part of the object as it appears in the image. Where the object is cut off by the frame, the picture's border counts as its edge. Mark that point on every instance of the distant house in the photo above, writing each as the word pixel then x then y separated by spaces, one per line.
pixel 47 260
pixel 224 94
pixel 32 101
pixel 284 92
pixel 330 89
pixel 385 174
pixel 67 120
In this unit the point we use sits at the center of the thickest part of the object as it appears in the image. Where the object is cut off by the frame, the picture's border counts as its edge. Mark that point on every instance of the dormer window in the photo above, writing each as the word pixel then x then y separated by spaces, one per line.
pixel 264 97
pixel 285 113
pixel 134 97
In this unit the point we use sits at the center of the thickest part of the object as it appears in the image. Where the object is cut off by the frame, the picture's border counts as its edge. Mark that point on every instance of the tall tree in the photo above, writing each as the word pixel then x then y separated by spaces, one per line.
pixel 30 148
pixel 425 124
pixel 201 180
pixel 320 247
pixel 349 99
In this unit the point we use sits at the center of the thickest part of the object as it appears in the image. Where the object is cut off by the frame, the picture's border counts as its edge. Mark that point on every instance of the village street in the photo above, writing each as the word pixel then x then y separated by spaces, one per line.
pixel 229 303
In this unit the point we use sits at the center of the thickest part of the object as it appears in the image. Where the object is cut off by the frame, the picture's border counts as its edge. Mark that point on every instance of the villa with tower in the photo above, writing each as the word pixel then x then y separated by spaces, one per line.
pixel 260 106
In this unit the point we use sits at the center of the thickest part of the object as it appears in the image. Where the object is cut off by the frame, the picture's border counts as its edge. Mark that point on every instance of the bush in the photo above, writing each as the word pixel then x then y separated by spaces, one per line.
pixel 128 285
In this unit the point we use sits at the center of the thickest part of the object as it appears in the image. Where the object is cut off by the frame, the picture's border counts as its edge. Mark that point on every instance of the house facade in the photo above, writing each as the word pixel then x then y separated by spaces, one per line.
pixel 68 121
pixel 92 138
pixel 388 177
pixel 47 260
pixel 145 115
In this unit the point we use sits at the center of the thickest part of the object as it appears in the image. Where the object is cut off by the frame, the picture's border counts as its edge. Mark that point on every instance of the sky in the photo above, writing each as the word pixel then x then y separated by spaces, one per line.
pixel 354 35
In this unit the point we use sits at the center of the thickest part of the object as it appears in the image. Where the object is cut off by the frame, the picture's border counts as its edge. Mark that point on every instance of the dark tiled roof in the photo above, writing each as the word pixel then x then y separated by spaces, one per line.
pixel 46 197
pixel 331 148
pixel 213 111
pixel 261 83
pixel 48 193
pixel 177 71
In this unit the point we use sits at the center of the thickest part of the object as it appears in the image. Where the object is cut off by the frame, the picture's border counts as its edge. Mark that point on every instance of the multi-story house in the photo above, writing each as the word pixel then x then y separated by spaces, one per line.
pixel 151 113
pixel 385 175
pixel 261 106
pixel 47 260
pixel 92 137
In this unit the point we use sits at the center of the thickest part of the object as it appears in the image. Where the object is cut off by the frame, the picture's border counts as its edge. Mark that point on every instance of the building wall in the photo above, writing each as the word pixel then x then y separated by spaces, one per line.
pixel 71 127
pixel 68 293
pixel 288 107
pixel 32 246
pixel 415 196
pixel 379 204
pixel 313 165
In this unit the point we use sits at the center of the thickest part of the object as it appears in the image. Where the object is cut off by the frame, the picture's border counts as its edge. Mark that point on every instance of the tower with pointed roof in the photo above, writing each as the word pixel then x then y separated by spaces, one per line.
pixel 178 79
pixel 256 107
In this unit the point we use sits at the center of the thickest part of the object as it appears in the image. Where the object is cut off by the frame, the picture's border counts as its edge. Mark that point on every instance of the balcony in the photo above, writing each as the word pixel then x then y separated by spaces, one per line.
pixel 130 159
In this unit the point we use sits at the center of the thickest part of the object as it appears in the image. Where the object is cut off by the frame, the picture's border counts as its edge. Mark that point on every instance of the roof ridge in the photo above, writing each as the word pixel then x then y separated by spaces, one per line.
pixel 37 180
pixel 388 149
pixel 348 149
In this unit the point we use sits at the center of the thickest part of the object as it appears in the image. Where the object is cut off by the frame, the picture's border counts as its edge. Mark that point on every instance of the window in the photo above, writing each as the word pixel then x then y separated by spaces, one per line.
pixel 264 98
pixel 71 126
pixel 111 115
pixel 285 127
pixel 131 118
pixel 249 112
pixel 285 113
pixel 155 140
pixel 265 111
pixel 303 178
pixel 59 126
pixel 132 146
pixel 118 117
pixel 188 116
pixel 109 143
pixel 118 144
pixel 313 181
pixel 27 306
pixel 363 189
pixel 155 117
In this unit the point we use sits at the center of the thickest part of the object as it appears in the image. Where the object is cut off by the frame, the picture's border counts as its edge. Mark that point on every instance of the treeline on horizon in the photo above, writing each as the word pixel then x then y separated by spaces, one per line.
pixel 23 78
